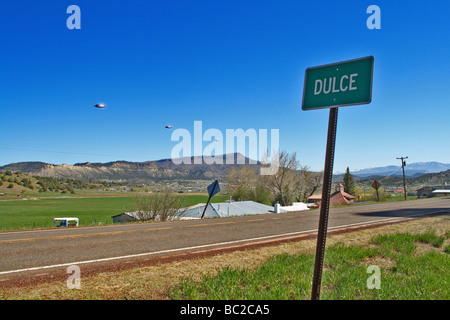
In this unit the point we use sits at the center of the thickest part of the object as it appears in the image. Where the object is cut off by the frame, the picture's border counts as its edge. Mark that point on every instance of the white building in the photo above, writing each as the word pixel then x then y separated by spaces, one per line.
pixel 219 210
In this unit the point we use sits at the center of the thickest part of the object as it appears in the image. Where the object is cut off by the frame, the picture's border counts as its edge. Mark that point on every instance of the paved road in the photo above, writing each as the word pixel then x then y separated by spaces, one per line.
pixel 40 251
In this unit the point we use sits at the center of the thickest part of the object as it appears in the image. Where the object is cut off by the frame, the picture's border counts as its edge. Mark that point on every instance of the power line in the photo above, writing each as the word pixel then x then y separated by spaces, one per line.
pixel 390 174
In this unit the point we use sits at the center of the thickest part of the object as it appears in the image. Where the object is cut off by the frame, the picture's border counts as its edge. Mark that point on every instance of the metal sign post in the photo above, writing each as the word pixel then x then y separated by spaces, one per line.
pixel 376 185
pixel 324 204
pixel 345 83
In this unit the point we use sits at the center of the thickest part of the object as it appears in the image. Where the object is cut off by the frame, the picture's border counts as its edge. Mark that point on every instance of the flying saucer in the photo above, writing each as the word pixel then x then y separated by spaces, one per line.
pixel 100 105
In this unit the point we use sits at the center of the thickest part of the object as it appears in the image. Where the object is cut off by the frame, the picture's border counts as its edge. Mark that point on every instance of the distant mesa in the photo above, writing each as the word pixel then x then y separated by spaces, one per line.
pixel 192 168
pixel 202 168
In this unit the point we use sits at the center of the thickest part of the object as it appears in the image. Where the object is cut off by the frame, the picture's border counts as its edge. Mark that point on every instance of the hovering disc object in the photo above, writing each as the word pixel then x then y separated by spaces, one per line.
pixel 100 105
pixel 168 127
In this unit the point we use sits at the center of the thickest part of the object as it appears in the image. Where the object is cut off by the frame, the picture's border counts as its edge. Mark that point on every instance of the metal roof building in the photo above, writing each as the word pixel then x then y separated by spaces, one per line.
pixel 125 217
pixel 218 210
pixel 227 209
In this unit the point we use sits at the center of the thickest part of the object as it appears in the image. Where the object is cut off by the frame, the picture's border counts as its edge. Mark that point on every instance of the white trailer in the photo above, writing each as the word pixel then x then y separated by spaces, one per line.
pixel 65 222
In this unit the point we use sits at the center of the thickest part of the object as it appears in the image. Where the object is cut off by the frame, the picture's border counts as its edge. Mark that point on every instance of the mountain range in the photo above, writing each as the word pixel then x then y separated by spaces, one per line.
pixel 135 172
pixel 166 169
pixel 411 170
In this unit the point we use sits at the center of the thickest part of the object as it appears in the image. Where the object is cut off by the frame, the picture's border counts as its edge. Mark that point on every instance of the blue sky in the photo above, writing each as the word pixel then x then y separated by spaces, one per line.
pixel 230 64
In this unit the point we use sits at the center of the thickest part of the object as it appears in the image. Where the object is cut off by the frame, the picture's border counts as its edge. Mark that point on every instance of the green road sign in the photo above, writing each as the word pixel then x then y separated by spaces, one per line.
pixel 338 84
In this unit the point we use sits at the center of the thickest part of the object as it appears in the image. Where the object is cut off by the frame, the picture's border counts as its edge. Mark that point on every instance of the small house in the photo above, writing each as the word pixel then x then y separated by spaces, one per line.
pixel 339 197
pixel 125 217
pixel 217 210
pixel 425 192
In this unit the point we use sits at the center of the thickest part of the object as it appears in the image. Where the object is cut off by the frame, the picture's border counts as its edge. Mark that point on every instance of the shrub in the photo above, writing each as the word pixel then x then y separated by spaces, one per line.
pixel 160 207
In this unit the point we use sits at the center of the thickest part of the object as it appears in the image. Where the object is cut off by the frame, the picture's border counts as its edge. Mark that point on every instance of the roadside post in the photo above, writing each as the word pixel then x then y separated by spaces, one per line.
pixel 331 86
pixel 213 188
pixel 376 185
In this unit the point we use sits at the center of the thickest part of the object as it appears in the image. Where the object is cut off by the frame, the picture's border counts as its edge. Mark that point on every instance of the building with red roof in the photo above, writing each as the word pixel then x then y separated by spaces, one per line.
pixel 339 197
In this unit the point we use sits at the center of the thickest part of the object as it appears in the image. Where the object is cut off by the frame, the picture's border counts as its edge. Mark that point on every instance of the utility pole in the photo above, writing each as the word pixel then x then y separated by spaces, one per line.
pixel 403 169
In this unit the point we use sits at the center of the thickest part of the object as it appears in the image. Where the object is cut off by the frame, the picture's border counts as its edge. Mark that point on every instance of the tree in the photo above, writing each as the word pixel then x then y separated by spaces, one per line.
pixel 262 195
pixel 349 184
pixel 309 183
pixel 242 194
pixel 284 183
pixel 244 181
pixel 245 177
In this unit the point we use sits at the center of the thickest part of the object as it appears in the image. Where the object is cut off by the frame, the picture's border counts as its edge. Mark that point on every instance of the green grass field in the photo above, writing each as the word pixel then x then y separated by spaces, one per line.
pixel 39 213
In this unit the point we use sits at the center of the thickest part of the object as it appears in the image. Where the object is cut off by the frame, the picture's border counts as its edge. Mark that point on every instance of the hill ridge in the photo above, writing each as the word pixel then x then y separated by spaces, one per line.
pixel 128 171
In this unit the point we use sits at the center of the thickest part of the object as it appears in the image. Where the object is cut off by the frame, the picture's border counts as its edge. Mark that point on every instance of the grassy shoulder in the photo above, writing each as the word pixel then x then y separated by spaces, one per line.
pixel 348 274
pixel 413 259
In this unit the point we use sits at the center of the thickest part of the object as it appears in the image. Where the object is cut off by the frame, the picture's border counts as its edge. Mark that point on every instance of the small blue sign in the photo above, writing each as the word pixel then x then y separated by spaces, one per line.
pixel 213 188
